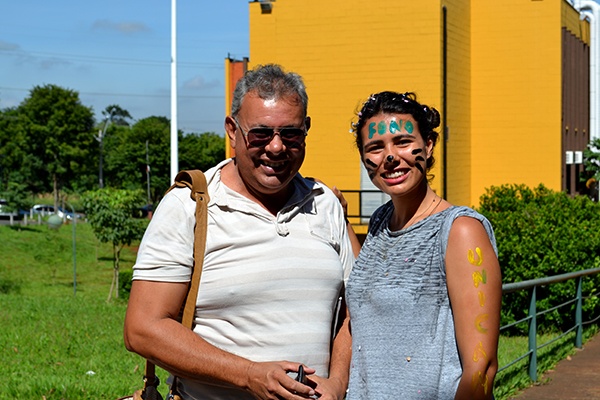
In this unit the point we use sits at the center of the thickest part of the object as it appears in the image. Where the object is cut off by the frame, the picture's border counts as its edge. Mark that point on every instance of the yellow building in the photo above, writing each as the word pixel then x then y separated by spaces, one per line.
pixel 510 78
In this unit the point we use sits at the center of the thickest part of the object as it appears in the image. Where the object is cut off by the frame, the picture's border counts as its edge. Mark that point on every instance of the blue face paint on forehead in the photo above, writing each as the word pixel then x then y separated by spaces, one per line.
pixel 382 127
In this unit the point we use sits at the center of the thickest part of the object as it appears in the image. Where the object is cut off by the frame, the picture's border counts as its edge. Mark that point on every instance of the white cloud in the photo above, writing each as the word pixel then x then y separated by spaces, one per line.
pixel 198 83
pixel 6 46
pixel 127 28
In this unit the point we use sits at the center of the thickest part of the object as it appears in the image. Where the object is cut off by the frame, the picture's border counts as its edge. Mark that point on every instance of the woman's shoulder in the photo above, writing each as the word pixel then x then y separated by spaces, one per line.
pixel 465 221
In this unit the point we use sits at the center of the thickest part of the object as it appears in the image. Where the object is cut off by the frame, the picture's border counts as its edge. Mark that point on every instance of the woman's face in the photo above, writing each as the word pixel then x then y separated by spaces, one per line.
pixel 394 152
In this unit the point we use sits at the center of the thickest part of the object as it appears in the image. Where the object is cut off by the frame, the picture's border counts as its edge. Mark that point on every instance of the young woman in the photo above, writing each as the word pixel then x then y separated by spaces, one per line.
pixel 424 295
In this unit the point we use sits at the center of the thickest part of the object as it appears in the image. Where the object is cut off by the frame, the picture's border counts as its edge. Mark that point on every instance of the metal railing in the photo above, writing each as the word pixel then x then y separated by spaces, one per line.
pixel 533 314
pixel 362 203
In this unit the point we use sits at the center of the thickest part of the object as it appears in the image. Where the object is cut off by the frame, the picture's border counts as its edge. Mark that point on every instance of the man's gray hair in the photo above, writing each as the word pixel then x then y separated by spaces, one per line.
pixel 269 82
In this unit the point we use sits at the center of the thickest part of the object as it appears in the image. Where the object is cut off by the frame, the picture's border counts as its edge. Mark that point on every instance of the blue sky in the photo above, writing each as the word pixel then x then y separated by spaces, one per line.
pixel 119 52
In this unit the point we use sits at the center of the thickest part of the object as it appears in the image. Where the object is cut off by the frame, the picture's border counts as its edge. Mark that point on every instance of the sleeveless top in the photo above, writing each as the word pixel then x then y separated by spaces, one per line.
pixel 403 339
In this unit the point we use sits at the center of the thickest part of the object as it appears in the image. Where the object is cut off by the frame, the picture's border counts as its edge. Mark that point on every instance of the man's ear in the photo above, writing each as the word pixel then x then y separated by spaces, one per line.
pixel 230 128
pixel 307 123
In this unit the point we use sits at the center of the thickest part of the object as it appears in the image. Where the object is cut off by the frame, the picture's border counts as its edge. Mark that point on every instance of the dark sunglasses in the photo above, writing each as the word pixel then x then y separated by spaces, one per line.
pixel 260 137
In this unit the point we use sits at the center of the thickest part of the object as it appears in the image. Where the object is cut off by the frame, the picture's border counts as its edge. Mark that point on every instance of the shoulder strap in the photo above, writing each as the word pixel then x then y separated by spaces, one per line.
pixel 196 181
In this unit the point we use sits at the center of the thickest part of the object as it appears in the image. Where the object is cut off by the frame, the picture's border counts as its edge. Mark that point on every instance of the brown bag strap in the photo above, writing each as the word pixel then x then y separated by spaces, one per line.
pixel 196 181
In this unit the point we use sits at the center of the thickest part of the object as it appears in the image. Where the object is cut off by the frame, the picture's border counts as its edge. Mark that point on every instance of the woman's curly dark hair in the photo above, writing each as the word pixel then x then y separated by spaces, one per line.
pixel 428 118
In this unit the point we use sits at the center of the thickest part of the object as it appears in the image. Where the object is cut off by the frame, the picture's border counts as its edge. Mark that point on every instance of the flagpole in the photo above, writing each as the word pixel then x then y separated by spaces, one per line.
pixel 174 153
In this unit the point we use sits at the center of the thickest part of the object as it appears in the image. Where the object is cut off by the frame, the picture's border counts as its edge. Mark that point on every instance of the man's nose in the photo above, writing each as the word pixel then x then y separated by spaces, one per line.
pixel 276 144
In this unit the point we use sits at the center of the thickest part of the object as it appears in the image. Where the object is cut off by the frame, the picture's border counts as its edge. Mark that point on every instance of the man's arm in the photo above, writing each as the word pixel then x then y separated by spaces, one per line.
pixel 151 330
pixel 475 290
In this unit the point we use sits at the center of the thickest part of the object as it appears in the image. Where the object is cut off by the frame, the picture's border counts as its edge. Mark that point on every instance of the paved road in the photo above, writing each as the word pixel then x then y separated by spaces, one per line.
pixel 576 378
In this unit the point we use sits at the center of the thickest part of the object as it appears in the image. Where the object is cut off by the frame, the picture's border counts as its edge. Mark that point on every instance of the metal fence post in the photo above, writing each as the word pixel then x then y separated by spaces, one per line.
pixel 533 336
pixel 578 314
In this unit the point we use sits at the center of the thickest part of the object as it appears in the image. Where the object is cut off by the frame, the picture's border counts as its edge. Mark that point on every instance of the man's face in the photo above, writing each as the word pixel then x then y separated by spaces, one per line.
pixel 268 168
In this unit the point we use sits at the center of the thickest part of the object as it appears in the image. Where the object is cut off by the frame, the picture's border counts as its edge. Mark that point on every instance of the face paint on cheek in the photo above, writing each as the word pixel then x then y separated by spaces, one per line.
pixel 370 163
pixel 418 159
pixel 371 167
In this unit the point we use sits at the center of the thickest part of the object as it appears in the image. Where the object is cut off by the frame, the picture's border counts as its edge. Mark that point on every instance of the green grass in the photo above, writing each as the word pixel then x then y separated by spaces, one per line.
pixel 56 345
pixel 515 378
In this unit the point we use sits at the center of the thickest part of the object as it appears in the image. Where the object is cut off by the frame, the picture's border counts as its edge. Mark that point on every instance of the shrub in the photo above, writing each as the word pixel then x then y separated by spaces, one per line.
pixel 542 233
pixel 125 283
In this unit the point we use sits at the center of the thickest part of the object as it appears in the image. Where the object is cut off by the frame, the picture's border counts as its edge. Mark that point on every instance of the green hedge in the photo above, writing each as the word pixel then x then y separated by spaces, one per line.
pixel 544 233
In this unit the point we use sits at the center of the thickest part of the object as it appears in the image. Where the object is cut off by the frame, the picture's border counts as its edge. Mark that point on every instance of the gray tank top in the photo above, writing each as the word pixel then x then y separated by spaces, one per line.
pixel 403 340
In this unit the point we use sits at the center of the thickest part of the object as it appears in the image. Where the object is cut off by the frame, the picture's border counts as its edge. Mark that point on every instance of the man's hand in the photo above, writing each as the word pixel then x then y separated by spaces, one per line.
pixel 269 380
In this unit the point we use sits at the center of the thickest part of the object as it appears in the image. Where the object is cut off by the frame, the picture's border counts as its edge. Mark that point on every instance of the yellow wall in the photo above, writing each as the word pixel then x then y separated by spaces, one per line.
pixel 503 80
pixel 516 94
pixel 346 50
pixel 458 111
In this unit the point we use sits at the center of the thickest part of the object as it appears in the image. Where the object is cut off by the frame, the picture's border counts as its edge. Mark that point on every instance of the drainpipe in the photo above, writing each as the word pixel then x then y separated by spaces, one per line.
pixel 591 10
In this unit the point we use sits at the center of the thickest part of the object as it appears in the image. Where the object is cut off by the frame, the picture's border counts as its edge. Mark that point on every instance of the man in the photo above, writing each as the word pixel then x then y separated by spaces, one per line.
pixel 277 254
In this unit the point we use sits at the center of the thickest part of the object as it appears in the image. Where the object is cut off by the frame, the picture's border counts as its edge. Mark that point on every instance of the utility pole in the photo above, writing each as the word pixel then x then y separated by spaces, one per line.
pixel 148 173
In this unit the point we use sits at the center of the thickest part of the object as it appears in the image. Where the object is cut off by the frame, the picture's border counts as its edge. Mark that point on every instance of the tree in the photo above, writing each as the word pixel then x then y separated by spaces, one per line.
pixel 13 154
pixel 591 164
pixel 119 116
pixel 113 114
pixel 109 212
pixel 125 156
pixel 200 151
pixel 54 130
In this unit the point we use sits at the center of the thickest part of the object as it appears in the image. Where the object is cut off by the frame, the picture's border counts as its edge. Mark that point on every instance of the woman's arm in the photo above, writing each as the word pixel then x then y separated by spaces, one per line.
pixel 475 290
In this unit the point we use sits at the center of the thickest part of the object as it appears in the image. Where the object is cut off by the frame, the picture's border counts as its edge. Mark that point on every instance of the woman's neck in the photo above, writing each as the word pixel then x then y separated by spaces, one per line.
pixel 413 208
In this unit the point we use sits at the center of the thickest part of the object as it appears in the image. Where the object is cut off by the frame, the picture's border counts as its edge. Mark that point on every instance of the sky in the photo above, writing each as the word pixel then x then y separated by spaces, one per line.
pixel 119 52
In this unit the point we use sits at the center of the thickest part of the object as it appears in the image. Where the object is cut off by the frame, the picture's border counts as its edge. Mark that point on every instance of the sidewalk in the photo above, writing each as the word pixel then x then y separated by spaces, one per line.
pixel 576 378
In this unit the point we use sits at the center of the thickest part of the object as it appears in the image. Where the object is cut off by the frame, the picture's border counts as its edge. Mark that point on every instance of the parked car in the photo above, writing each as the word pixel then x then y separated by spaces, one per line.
pixel 143 212
pixel 5 210
pixel 45 209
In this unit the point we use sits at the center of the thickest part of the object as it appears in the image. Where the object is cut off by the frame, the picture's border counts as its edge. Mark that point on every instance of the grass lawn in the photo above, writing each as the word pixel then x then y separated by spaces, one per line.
pixel 54 344
pixel 515 378
pixel 59 345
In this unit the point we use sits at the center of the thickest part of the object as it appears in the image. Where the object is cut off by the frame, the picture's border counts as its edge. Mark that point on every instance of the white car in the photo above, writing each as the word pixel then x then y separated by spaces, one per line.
pixel 4 210
pixel 45 209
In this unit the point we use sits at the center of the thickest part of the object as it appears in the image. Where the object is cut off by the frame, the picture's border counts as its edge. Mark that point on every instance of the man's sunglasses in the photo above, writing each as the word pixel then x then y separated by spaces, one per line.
pixel 261 136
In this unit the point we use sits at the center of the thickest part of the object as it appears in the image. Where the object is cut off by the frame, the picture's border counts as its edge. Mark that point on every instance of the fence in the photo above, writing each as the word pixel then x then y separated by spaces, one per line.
pixel 533 314
pixel 362 204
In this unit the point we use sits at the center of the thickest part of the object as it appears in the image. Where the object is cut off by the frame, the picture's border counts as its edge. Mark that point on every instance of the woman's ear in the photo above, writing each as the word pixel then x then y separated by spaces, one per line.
pixel 429 148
